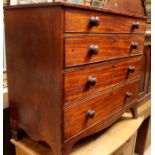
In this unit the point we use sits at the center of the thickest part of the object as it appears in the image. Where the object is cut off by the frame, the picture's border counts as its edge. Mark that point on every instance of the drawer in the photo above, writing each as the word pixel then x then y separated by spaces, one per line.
pixel 88 21
pixel 96 77
pixel 89 112
pixel 83 50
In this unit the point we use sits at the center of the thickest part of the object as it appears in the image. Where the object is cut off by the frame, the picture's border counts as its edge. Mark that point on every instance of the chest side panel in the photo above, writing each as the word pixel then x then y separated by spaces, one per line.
pixel 34 46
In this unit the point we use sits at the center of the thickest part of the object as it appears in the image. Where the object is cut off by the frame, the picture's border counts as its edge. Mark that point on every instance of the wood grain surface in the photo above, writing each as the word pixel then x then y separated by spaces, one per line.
pixel 110 46
pixel 34 81
pixel 117 5
pixel 108 74
pixel 83 7
pixel 76 118
pixel 78 21
pixel 42 89
pixel 118 134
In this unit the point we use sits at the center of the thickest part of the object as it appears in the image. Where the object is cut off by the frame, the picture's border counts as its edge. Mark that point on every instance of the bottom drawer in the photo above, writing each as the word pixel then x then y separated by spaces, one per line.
pixel 84 114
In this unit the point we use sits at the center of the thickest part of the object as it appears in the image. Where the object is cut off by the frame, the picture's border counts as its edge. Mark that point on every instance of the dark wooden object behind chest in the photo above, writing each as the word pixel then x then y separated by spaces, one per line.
pixel 72 70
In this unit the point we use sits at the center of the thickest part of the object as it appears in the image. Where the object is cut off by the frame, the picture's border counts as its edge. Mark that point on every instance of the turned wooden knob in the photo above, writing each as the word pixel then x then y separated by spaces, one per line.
pixel 94 21
pixel 90 114
pixel 91 81
pixel 129 94
pixel 93 50
pixel 131 69
pixel 135 25
pixel 134 45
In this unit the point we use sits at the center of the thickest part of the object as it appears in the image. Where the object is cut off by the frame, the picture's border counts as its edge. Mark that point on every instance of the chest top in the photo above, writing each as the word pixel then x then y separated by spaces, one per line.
pixel 128 7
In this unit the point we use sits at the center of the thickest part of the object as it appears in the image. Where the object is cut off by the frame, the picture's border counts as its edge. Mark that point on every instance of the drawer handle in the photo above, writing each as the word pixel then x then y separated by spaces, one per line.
pixel 131 69
pixel 93 50
pixel 135 25
pixel 90 114
pixel 134 45
pixel 91 81
pixel 129 94
pixel 94 21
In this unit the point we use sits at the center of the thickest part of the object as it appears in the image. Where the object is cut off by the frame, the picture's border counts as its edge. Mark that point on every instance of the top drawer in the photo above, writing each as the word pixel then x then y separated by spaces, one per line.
pixel 95 22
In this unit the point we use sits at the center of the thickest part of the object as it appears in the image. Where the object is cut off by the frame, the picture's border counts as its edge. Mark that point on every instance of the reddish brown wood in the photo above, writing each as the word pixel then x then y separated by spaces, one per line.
pixel 148 68
pixel 35 82
pixel 109 47
pixel 106 74
pixel 79 6
pixel 148 39
pixel 145 95
pixel 97 127
pixel 123 6
pixel 147 53
pixel 78 21
pixel 104 104
pixel 145 87
pixel 142 136
pixel 134 112
pixel 40 83
pixel 8 148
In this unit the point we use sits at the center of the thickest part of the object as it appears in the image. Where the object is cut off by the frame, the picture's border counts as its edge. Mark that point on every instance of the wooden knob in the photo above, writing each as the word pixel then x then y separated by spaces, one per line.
pixel 91 81
pixel 129 94
pixel 134 45
pixel 131 69
pixel 93 50
pixel 90 114
pixel 135 25
pixel 94 21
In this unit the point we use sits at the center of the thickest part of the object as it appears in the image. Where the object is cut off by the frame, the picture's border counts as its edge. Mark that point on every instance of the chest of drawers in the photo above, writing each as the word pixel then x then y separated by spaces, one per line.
pixel 72 70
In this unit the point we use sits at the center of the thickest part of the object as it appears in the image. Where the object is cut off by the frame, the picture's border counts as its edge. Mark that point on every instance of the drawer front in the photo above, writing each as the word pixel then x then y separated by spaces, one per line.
pixel 87 80
pixel 90 112
pixel 88 21
pixel 83 50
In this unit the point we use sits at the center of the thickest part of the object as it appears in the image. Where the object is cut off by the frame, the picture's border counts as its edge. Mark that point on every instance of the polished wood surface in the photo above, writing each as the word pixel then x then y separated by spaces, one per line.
pixel 145 88
pixel 41 85
pixel 148 69
pixel 147 38
pixel 123 5
pixel 119 133
pixel 76 21
pixel 30 72
pixel 147 53
pixel 79 6
pixel 95 145
pixel 143 137
pixel 76 118
pixel 112 46
pixel 106 74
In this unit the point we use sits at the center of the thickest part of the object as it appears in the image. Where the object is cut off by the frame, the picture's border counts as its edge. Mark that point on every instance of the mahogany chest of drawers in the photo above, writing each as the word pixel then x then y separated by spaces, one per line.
pixel 72 70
